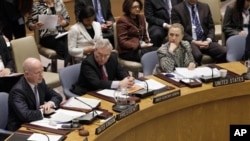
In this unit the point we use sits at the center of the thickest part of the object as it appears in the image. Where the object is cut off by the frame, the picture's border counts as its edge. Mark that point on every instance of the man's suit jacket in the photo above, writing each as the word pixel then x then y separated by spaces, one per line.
pixel 105 5
pixel 156 12
pixel 232 23
pixel 5 54
pixel 180 14
pixel 130 34
pixel 79 38
pixel 22 103
pixel 90 75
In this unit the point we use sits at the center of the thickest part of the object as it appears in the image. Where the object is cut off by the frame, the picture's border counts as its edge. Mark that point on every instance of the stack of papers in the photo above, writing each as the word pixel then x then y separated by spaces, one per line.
pixel 201 72
pixel 44 137
pixel 82 103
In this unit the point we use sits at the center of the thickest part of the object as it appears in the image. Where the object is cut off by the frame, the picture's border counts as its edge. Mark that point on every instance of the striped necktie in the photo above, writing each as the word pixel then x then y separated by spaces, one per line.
pixel 198 29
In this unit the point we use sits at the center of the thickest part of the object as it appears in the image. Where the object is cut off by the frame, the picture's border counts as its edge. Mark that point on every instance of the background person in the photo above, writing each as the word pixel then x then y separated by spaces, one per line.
pixel 132 35
pixel 83 35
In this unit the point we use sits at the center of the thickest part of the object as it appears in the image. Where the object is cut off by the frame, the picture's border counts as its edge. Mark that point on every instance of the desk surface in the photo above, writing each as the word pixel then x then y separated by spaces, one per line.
pixel 203 113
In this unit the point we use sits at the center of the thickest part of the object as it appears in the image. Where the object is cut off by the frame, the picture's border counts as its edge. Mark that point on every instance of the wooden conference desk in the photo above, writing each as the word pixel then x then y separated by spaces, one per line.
pixel 199 114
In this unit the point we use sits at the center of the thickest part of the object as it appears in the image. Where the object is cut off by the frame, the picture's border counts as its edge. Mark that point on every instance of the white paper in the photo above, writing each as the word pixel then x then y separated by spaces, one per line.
pixel 152 84
pixel 87 103
pixel 111 93
pixel 49 21
pixel 197 72
pixel 44 137
pixel 107 92
pixel 59 35
pixel 63 115
pixel 46 122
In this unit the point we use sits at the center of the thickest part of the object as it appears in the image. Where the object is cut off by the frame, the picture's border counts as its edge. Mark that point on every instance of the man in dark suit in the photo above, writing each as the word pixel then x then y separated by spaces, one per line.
pixel 101 70
pixel 103 15
pixel 157 14
pixel 202 41
pixel 31 98
pixel 5 57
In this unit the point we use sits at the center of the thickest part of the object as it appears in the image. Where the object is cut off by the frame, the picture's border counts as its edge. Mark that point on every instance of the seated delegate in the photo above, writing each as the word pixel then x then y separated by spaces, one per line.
pixel 30 98
pixel 83 35
pixel 176 52
pixel 101 70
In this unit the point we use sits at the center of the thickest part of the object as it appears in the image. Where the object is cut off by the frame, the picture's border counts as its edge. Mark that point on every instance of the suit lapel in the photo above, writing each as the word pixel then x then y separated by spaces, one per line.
pixel 29 91
pixel 84 32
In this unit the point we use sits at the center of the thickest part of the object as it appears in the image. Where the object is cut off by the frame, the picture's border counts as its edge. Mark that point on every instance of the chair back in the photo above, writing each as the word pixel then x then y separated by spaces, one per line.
pixel 69 76
pixel 236 47
pixel 23 48
pixel 4 109
pixel 149 60
pixel 26 47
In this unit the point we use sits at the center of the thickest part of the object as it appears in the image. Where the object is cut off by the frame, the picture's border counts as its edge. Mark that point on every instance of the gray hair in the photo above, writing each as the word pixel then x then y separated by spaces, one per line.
pixel 102 43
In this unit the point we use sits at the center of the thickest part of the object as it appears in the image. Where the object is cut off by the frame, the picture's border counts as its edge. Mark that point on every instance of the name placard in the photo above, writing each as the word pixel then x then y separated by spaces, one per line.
pixel 226 81
pixel 132 109
pixel 166 96
pixel 105 125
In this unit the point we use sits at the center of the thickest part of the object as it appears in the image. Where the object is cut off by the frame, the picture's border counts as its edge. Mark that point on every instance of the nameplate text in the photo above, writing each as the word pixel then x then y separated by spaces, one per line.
pixel 105 125
pixel 227 81
pixel 166 96
pixel 129 111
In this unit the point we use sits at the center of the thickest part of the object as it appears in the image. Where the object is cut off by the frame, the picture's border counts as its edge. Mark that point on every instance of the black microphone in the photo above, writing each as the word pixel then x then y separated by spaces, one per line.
pixel 88 118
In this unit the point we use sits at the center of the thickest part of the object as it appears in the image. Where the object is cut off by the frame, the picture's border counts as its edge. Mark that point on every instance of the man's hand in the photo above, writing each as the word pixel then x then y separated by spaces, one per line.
pixel 127 82
pixel 4 72
pixel 48 107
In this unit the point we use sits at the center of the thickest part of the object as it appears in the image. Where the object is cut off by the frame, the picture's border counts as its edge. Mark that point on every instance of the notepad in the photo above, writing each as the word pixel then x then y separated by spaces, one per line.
pixel 87 103
pixel 44 137
pixel 197 72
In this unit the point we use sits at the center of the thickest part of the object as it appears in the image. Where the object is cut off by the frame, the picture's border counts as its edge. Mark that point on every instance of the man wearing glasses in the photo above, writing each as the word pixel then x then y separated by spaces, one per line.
pixel 101 70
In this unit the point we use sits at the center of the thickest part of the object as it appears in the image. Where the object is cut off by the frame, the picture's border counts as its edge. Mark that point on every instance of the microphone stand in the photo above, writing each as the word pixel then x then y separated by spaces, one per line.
pixel 94 113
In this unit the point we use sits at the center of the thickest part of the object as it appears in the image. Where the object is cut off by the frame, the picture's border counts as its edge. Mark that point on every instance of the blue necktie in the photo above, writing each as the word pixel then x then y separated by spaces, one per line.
pixel 98 13
pixel 197 25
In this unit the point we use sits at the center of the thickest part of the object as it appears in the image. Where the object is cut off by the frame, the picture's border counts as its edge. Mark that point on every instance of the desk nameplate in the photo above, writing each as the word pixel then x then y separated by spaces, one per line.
pixel 166 96
pixel 227 81
pixel 105 125
pixel 129 111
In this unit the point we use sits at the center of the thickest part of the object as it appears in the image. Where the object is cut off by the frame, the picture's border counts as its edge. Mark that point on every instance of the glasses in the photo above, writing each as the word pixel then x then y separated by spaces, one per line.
pixel 100 55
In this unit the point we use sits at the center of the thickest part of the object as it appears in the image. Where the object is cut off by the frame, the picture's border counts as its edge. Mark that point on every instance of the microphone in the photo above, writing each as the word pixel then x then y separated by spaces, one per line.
pixel 89 117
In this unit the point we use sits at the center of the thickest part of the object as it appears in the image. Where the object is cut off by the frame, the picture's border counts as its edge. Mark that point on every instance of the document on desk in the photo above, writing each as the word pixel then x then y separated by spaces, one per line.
pixel 61 116
pixel 151 84
pixel 87 103
pixel 44 137
pixel 49 21
pixel 111 93
pixel 197 72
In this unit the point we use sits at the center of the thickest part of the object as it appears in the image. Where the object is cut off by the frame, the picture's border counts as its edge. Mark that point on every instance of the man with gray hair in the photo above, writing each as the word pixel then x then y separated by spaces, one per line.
pixel 101 70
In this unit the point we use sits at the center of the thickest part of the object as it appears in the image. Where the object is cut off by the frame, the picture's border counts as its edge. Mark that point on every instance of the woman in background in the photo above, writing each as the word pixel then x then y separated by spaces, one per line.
pixel 47 36
pixel 83 35
pixel 236 18
pixel 176 52
pixel 133 40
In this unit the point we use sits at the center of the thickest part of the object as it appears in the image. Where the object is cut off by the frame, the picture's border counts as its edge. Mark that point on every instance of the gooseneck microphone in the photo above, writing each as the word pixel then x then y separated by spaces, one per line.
pixel 92 108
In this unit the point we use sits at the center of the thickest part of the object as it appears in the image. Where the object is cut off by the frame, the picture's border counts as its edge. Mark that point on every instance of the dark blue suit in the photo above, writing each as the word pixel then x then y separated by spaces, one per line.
pixel 156 14
pixel 22 103
pixel 90 75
